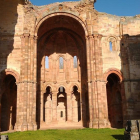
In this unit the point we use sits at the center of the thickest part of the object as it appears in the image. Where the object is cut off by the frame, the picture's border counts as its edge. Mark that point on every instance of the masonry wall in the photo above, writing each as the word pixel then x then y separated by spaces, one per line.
pixel 18 33
pixel 130 55
pixel 11 27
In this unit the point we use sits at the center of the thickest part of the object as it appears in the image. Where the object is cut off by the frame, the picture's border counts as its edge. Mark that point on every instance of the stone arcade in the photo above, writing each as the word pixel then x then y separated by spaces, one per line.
pixel 67 65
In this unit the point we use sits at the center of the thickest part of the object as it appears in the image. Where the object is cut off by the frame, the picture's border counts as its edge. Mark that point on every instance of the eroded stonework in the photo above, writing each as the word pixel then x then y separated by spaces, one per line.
pixel 67 65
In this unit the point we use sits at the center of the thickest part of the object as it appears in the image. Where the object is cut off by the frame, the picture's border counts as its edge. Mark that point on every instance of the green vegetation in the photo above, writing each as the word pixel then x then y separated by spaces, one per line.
pixel 79 134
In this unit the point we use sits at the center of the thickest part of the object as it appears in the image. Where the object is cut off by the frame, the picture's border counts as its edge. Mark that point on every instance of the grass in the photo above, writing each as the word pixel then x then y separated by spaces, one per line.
pixel 79 134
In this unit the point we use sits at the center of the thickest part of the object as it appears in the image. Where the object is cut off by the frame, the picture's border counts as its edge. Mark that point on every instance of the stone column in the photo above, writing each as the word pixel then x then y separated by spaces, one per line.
pixel 48 110
pixel 103 105
pixel 67 66
pixel 34 79
pixel 100 107
pixel 26 94
pixel 74 109
pixel 19 116
pixel 123 103
pixel 89 74
pixel 69 108
pixel 41 106
pixel 54 106
pixel 31 111
pixel 24 72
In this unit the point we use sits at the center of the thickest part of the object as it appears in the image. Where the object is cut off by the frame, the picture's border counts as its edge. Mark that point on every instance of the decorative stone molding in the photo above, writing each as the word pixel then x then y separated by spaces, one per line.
pixel 10 72
pixel 113 70
pixel 63 14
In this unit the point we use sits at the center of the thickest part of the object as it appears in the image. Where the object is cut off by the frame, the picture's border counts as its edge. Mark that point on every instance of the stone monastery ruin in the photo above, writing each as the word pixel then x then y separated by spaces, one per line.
pixel 67 65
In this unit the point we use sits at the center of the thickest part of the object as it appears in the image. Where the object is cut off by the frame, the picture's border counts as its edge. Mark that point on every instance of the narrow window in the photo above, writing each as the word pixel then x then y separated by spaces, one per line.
pixel 61 89
pixel 75 61
pixel 46 62
pixel 110 46
pixel 61 114
pixel 61 63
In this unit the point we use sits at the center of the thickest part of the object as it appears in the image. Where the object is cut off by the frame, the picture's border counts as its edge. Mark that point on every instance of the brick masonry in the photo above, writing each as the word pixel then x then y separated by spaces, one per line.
pixel 101 91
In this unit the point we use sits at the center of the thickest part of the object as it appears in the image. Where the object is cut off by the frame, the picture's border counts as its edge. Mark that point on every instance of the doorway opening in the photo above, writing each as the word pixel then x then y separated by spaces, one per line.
pixel 114 98
pixel 8 103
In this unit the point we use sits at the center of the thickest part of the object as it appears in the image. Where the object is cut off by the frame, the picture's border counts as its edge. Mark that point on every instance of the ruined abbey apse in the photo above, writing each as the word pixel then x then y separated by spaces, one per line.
pixel 67 65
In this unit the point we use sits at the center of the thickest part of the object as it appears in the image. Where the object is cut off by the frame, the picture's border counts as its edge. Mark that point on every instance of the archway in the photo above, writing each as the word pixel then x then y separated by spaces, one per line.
pixel 114 99
pixel 61 38
pixel 8 103
pixel 61 105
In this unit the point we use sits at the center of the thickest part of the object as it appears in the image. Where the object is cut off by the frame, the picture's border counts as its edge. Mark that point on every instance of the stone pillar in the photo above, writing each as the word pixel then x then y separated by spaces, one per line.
pixel 26 93
pixel 100 111
pixel 103 106
pixel 54 106
pixel 41 106
pixel 34 79
pixel 74 109
pixel 19 116
pixel 88 51
pixel 24 72
pixel 69 108
pixel 67 68
pixel 48 110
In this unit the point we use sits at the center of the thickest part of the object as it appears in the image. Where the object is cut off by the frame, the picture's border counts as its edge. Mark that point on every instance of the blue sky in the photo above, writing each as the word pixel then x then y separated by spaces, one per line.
pixel 115 7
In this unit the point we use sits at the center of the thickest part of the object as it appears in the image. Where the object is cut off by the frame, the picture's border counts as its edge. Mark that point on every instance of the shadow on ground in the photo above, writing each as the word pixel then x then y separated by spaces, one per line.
pixel 118 137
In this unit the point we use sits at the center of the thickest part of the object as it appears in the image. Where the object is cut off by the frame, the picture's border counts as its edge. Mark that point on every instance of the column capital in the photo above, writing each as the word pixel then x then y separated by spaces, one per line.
pixel 97 36
pixel 35 37
pixel 89 36
pixel 22 36
pixel 32 36
pixel 26 34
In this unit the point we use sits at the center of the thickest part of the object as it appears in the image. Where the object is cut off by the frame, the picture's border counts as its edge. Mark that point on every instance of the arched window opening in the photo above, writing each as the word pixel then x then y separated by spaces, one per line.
pixel 75 89
pixel 75 61
pixel 114 101
pixel 61 63
pixel 46 62
pixel 110 46
pixel 48 90
pixel 61 105
pixel 61 89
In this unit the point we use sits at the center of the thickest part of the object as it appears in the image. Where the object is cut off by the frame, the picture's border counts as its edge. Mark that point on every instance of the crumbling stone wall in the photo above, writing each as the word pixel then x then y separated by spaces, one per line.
pixel 11 27
pixel 22 28
pixel 130 67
